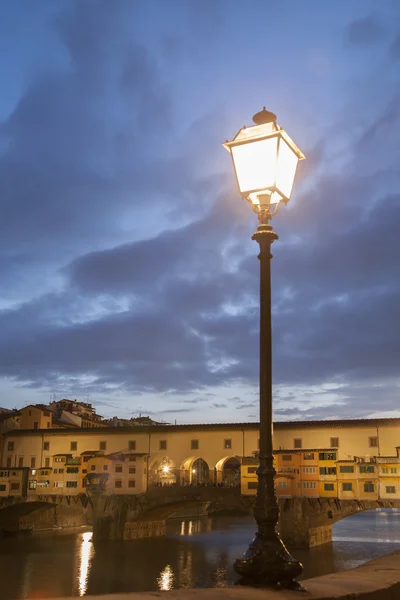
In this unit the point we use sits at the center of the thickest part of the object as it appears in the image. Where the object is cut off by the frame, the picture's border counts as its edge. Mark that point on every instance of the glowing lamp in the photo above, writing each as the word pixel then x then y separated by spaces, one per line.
pixel 265 160
pixel 193 470
pixel 166 469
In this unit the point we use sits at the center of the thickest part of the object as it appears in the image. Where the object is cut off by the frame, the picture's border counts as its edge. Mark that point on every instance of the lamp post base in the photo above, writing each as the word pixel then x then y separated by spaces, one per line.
pixel 267 562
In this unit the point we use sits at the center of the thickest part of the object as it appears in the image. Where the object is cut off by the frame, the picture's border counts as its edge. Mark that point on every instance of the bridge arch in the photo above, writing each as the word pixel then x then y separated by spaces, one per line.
pixel 163 471
pixel 195 471
pixel 227 471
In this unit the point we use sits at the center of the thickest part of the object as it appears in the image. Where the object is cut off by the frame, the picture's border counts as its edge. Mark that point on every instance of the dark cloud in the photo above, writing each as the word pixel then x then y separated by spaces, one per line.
pixel 365 31
pixel 125 253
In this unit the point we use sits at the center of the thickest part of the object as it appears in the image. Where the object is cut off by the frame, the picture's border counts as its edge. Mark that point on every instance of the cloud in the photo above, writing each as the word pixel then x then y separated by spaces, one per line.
pixel 365 31
pixel 127 267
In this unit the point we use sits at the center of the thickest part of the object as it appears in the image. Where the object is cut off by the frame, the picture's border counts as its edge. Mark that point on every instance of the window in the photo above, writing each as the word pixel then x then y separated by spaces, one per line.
pixel 385 470
pixel 44 473
pixel 309 470
pixel 33 462
pixel 252 485
pixel 93 467
pixel 72 469
pixel 8 461
pixel 21 461
pixel 84 470
pixel 251 469
pixel 72 484
pixel 390 489
pixel 329 487
pixel 10 446
pixel 2 487
pixel 132 445
pixel 61 471
pixel 105 467
pixel 132 459
pixel 103 445
pixel 118 469
pixel 327 470
pixel 14 486
pixel 335 442
pixel 55 471
pixel 48 425
pixel 194 444
pixel 46 413
pixel 47 462
pixel 308 456
pixel 369 487
pixel 346 469
pixel 309 485
pixel 35 425
pixel 32 485
pixel 327 455
pixel 132 470
pixel 163 444
pixel 58 484
pixel 347 487
pixel 373 442
pixel 118 484
pixel 227 444
pixel 73 446
pixel 59 459
pixel 4 474
pixel 367 469
pixel 131 483
pixel 46 446
pixel 297 443
pixel 282 485
pixel 286 457
pixel 393 470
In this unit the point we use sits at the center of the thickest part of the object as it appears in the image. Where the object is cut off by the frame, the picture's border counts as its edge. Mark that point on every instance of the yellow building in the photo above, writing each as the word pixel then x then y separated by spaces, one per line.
pixel 368 482
pixel 118 473
pixel 35 417
pixel 13 482
pixel 248 476
pixel 347 479
pixel 209 454
pixel 388 470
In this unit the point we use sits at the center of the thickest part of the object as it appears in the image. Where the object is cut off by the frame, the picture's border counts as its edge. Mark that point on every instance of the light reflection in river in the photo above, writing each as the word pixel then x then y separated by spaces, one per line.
pixel 85 559
pixel 165 581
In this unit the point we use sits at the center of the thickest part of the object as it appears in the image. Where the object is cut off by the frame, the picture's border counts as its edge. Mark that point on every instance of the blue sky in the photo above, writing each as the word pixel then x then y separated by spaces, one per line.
pixel 127 270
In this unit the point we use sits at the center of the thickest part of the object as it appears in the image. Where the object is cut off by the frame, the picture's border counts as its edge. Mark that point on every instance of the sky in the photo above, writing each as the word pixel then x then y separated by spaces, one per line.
pixel 128 275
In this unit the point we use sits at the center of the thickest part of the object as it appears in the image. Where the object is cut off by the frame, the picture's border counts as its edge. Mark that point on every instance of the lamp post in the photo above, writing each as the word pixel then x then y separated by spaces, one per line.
pixel 265 160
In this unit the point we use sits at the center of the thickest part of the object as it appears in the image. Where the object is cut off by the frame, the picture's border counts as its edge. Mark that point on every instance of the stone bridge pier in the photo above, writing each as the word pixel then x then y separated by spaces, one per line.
pixel 307 522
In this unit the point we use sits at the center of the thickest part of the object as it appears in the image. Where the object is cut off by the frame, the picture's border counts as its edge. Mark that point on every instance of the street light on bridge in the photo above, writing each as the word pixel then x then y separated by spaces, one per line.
pixel 265 160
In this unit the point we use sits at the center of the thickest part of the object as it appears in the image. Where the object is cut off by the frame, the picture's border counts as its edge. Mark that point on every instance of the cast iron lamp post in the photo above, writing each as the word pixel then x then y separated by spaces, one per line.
pixel 265 161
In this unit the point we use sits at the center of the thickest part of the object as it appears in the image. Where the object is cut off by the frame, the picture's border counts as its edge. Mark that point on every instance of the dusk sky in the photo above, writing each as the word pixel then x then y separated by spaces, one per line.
pixel 128 275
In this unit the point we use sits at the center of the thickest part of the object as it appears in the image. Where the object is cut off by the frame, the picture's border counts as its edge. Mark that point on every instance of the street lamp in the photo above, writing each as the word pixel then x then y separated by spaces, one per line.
pixel 265 160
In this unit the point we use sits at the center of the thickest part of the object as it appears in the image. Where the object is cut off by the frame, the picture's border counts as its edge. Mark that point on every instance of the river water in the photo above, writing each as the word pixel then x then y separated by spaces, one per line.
pixel 196 553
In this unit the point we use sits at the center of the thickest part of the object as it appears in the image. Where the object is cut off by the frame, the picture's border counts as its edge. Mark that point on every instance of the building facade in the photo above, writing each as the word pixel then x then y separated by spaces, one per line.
pixel 341 459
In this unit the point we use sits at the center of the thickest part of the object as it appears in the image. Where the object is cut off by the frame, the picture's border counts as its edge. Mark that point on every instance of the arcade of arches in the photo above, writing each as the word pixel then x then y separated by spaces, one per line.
pixel 195 471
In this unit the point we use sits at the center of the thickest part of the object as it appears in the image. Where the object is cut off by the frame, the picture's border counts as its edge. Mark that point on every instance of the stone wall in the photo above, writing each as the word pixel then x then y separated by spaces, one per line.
pixel 39 516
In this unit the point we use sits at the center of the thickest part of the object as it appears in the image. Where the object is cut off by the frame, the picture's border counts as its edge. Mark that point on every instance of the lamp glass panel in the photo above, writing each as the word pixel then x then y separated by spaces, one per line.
pixel 255 164
pixel 286 169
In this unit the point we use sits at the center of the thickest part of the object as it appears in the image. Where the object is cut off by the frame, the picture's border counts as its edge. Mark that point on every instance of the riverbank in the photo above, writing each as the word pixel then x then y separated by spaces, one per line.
pixel 378 579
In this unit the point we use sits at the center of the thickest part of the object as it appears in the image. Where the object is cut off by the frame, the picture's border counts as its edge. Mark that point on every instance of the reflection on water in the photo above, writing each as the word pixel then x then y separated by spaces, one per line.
pixel 166 580
pixel 86 555
pixel 195 553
